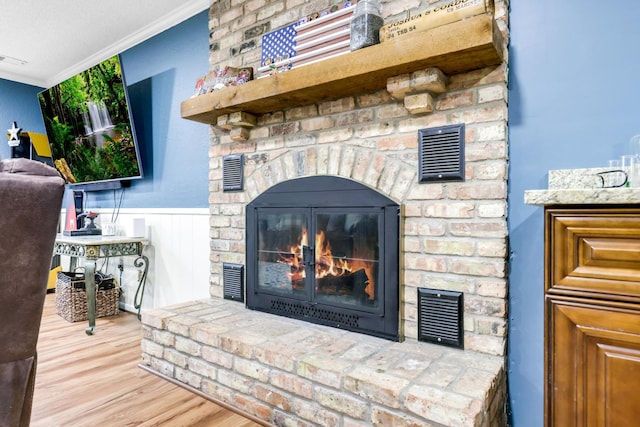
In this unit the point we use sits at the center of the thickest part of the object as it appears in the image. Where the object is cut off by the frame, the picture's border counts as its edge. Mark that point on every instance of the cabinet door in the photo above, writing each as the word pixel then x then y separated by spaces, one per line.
pixel 593 365
pixel 594 253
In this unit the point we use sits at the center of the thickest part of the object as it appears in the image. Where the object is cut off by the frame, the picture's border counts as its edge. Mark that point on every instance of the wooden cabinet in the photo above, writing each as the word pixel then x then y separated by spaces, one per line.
pixel 592 316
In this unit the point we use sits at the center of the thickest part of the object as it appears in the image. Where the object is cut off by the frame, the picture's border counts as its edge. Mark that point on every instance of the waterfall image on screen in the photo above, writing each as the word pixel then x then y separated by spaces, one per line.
pixel 89 126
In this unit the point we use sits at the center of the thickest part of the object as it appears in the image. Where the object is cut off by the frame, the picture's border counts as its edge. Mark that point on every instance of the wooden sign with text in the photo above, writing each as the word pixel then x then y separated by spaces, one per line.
pixel 434 17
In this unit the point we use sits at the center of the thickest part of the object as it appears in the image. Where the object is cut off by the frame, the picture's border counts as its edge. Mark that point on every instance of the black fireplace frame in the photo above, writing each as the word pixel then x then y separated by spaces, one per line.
pixel 330 192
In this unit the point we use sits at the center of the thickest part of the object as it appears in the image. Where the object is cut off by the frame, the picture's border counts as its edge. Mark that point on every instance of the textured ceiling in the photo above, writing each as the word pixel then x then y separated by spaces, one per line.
pixel 43 42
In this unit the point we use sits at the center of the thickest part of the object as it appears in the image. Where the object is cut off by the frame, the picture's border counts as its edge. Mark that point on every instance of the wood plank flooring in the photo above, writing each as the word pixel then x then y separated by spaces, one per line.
pixel 95 380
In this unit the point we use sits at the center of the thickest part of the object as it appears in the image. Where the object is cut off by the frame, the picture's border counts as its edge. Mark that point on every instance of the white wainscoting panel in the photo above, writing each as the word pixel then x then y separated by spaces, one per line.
pixel 178 253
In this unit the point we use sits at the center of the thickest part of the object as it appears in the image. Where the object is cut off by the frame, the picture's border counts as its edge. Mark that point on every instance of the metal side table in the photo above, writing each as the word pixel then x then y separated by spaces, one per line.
pixel 92 248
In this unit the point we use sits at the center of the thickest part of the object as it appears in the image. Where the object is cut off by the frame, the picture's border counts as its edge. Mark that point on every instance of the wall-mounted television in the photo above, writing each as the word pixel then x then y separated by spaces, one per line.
pixel 90 128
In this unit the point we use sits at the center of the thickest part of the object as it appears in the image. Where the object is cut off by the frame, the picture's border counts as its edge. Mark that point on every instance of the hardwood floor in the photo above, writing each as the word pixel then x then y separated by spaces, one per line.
pixel 95 380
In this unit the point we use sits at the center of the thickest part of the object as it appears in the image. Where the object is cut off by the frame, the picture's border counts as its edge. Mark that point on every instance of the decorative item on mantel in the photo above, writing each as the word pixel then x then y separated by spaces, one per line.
pixel 365 24
pixel 315 37
pixel 221 78
pixel 277 51
pixel 324 37
pixel 439 15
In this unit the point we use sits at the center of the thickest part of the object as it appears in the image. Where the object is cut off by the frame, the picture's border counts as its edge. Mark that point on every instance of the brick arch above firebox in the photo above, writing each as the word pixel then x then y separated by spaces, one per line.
pixel 387 175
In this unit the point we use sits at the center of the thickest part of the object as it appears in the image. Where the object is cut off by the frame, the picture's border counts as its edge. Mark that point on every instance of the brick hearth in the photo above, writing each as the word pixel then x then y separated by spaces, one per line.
pixel 292 373
pixel 453 236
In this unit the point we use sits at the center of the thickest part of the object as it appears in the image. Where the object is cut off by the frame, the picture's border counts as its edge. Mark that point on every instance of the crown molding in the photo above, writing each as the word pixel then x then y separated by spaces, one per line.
pixel 20 78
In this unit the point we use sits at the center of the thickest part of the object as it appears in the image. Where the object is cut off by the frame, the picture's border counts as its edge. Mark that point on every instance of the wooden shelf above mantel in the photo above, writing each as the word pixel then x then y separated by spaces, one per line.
pixel 454 48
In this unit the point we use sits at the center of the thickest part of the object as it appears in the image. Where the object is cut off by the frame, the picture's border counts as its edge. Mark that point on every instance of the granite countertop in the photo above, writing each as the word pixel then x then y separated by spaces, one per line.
pixel 581 186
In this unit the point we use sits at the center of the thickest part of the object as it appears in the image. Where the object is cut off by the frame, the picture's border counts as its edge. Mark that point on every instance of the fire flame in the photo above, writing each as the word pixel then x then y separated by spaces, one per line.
pixel 326 265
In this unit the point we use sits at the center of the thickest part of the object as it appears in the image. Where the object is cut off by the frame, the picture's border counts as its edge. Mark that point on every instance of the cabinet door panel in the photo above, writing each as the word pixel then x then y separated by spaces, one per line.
pixel 594 251
pixel 617 381
pixel 593 366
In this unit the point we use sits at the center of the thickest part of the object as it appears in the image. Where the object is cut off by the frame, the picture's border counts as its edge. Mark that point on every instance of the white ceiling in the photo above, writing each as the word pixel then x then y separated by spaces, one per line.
pixel 44 42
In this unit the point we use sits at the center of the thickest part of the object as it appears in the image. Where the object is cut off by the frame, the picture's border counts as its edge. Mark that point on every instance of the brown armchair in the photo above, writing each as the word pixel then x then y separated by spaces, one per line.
pixel 30 200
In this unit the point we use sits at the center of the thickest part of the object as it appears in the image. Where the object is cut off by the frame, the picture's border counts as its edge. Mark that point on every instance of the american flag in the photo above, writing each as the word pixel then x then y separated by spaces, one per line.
pixel 278 45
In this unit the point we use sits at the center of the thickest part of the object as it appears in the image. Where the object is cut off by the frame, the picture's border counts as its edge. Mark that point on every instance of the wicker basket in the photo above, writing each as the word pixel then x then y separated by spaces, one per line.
pixel 71 296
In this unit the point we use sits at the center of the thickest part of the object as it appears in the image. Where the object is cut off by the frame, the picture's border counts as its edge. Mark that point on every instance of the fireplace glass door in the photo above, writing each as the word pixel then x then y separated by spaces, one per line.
pixel 328 256
pixel 281 269
pixel 324 249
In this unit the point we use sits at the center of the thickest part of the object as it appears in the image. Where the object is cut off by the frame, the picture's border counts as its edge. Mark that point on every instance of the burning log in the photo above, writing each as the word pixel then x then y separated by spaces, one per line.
pixel 353 284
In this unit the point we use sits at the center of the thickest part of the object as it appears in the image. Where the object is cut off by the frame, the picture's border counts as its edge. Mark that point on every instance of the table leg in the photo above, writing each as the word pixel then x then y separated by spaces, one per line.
pixel 141 261
pixel 90 284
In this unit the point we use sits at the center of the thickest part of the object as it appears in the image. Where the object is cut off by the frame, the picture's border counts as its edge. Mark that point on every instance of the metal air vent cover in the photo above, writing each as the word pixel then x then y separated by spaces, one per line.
pixel 233 281
pixel 232 172
pixel 441 154
pixel 440 317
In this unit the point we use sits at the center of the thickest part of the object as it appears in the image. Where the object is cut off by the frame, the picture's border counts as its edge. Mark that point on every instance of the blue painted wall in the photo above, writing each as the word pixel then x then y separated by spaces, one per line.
pixel 160 73
pixel 574 102
pixel 18 103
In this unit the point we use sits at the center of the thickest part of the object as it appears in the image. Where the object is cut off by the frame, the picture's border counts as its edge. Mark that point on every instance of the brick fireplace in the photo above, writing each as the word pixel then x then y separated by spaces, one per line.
pixel 452 237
